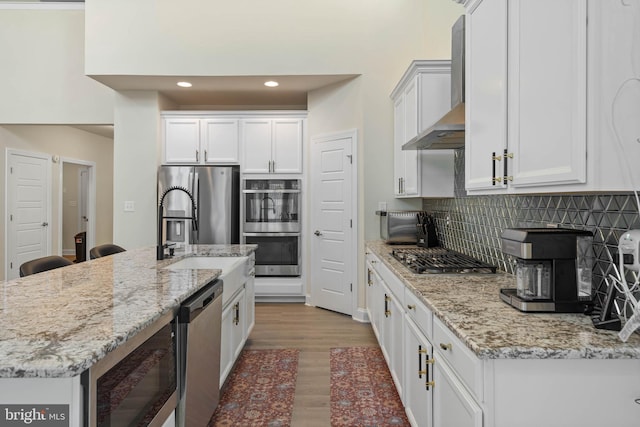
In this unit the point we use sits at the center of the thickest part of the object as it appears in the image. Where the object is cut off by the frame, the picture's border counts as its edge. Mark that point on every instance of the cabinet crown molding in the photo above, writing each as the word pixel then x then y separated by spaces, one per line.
pixel 240 114
pixel 421 66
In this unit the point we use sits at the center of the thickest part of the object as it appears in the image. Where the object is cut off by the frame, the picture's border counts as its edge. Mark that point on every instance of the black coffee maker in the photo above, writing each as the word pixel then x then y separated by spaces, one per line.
pixel 553 269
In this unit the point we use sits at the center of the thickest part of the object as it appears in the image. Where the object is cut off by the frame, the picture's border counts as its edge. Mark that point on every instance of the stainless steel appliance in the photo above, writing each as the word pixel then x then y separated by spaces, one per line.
pixel 271 206
pixel 407 227
pixel 272 218
pixel 136 384
pixel 553 269
pixel 438 260
pixel 449 131
pixel 199 333
pixel 216 192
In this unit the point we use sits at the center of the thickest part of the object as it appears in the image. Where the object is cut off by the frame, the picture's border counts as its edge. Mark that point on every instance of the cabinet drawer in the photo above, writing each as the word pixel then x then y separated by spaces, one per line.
pixel 419 313
pixel 465 364
pixel 392 281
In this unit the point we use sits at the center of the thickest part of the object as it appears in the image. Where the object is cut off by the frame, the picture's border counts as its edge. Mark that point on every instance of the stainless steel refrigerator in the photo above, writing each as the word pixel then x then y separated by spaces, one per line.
pixel 216 192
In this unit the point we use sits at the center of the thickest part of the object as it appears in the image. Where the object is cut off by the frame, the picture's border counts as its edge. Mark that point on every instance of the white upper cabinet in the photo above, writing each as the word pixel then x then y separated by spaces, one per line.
pixel 197 140
pixel 485 91
pixel 181 140
pixel 422 96
pixel 272 145
pixel 540 110
pixel 220 139
pixel 547 92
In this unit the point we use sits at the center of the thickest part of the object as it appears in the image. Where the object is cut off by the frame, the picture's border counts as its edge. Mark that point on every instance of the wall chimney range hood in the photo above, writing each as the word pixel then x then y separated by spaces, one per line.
pixel 448 132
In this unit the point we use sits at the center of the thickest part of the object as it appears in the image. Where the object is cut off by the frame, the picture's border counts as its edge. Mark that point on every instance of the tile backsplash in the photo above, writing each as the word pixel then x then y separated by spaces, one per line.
pixel 473 224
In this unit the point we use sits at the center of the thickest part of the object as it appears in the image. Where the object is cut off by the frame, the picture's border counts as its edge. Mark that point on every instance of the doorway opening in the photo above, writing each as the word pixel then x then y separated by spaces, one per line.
pixel 77 205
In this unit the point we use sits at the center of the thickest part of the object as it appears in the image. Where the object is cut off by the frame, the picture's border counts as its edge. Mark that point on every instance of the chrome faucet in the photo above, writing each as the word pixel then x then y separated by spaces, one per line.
pixel 160 255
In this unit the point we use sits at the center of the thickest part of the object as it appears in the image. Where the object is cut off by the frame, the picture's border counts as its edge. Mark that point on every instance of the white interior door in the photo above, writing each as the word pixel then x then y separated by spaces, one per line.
pixel 28 209
pixel 332 250
pixel 83 199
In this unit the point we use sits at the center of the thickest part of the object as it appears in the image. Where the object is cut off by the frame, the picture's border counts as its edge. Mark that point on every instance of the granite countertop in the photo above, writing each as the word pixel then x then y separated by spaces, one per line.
pixel 470 306
pixel 61 322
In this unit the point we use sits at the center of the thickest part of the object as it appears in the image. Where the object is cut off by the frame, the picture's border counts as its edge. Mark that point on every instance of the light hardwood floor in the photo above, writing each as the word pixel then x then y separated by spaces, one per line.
pixel 313 331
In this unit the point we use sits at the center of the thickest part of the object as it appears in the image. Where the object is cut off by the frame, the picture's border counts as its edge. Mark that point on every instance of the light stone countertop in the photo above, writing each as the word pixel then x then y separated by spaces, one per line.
pixel 61 322
pixel 470 306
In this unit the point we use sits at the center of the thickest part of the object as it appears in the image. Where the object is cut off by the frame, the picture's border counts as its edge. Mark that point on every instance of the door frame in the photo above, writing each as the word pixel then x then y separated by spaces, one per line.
pixel 91 201
pixel 8 153
pixel 355 214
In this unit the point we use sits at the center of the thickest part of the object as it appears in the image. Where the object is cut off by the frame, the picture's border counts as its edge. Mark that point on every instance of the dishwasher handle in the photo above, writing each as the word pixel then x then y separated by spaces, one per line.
pixel 191 308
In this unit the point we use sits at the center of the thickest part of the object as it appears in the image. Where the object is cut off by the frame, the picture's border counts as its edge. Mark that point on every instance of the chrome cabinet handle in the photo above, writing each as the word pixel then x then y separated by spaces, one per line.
pixel 205 155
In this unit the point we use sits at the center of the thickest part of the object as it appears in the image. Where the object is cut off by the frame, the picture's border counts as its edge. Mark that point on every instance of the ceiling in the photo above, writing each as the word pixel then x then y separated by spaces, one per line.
pixel 222 92
pixel 231 91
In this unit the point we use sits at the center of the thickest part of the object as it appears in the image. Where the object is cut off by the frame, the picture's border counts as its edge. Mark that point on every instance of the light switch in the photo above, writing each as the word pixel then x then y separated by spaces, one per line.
pixel 129 206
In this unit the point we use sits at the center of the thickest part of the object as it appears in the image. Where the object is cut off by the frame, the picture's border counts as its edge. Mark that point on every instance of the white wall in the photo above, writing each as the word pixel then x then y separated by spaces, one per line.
pixel 63 141
pixel 70 196
pixel 136 158
pixel 376 39
pixel 42 77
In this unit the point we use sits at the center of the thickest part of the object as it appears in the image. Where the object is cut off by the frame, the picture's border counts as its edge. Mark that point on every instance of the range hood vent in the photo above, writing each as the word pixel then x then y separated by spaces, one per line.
pixel 448 132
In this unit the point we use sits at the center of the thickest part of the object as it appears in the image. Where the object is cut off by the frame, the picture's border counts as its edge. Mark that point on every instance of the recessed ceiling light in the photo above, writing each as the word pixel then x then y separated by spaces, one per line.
pixel 184 84
pixel 271 83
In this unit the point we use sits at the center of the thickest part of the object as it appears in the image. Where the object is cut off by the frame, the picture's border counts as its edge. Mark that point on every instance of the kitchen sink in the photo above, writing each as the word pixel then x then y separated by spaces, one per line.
pixel 235 270
pixel 226 264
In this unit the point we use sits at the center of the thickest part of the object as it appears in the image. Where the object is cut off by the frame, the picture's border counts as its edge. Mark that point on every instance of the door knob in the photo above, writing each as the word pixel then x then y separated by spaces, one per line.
pixel 317 233
pixel 45 224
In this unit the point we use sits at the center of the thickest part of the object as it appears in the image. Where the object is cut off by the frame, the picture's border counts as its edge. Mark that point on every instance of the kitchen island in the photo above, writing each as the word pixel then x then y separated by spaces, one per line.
pixel 503 367
pixel 57 324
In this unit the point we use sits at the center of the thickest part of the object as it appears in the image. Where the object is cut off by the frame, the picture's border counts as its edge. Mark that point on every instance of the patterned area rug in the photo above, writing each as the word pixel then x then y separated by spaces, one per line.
pixel 362 391
pixel 260 390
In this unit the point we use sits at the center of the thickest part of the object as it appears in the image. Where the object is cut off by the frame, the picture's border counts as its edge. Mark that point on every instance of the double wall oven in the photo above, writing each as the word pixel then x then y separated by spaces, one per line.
pixel 272 221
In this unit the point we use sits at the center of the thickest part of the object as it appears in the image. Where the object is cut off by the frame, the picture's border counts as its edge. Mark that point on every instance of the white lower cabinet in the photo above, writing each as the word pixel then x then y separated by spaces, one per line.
pixel 432 390
pixel 453 406
pixel 418 374
pixel 238 314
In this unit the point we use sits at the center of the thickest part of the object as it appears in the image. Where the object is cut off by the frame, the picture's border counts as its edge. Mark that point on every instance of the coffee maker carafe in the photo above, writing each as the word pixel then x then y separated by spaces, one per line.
pixel 553 269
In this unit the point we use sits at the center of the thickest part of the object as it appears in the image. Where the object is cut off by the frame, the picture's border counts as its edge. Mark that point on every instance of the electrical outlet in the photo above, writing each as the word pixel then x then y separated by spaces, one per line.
pixel 129 206
pixel 630 249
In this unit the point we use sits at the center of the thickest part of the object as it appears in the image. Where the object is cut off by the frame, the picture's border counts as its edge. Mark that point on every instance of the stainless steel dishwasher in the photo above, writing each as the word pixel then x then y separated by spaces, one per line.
pixel 199 323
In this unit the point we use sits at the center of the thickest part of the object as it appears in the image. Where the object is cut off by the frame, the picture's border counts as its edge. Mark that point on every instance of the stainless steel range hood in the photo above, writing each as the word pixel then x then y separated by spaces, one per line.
pixel 448 132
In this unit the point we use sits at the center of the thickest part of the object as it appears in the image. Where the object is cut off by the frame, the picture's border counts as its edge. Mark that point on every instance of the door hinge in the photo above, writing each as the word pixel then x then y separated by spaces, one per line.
pixel 350 158
pixel 350 223
pixel 11 169
pixel 11 217
pixel 11 265
pixel 351 287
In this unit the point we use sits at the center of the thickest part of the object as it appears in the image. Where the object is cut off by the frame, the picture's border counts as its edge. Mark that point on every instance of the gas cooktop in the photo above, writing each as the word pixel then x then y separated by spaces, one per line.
pixel 440 260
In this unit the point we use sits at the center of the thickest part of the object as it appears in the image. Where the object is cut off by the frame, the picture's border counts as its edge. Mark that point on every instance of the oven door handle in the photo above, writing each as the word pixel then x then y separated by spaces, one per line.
pixel 271 234
pixel 270 191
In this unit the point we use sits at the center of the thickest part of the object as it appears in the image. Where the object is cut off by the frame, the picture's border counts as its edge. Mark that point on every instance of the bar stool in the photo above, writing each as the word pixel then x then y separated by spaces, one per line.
pixel 43 264
pixel 104 250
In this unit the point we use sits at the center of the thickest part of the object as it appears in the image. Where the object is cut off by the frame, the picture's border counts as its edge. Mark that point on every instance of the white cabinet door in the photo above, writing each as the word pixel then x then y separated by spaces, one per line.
pixel 486 93
pixel 233 334
pixel 418 400
pixel 375 303
pixel 250 305
pixel 181 140
pixel 453 406
pixel 256 145
pixel 287 146
pixel 220 141
pixel 392 321
pixel 398 141
pixel 547 92
pixel 272 145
